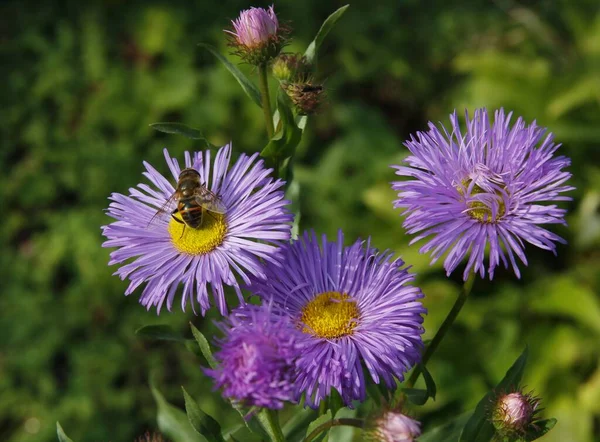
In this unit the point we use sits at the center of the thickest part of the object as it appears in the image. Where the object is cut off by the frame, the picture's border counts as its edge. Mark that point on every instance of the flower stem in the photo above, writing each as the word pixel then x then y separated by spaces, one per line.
pixel 263 83
pixel 351 422
pixel 458 304
pixel 269 421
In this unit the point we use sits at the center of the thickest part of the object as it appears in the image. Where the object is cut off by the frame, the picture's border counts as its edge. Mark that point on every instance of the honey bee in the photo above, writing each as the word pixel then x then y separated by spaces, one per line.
pixel 193 201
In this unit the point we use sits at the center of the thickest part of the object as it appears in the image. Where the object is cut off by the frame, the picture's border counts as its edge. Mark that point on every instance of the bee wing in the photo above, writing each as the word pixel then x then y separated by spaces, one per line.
pixel 209 200
pixel 164 213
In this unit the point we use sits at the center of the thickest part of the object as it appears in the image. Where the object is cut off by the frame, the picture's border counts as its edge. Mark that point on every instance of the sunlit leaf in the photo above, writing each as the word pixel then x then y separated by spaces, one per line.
pixel 62 437
pixel 429 382
pixel 416 395
pixel 313 47
pixel 181 129
pixel 204 346
pixel 172 421
pixel 539 429
pixel 479 428
pixel 249 88
pixel 448 432
pixel 161 332
pixel 318 422
pixel 203 423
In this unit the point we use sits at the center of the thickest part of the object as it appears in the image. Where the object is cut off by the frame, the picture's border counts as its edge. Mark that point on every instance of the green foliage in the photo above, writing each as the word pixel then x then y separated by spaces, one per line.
pixel 84 80
pixel 479 427
pixel 202 422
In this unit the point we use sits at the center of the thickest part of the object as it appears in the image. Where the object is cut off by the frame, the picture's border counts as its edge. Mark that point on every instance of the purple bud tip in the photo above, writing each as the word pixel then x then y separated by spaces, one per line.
pixel 255 27
pixel 394 426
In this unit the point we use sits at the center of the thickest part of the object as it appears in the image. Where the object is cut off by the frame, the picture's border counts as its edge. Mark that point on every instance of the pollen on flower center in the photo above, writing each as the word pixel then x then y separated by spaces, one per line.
pixel 202 240
pixel 480 210
pixel 330 315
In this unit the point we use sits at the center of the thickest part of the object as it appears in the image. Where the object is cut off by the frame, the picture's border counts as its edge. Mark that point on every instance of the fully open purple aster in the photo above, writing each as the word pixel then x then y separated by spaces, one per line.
pixel 356 311
pixel 256 357
pixel 481 190
pixel 165 253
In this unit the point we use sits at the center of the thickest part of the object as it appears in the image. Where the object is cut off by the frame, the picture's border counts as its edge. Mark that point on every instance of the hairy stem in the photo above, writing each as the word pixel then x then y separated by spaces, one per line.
pixel 263 83
pixel 351 422
pixel 456 308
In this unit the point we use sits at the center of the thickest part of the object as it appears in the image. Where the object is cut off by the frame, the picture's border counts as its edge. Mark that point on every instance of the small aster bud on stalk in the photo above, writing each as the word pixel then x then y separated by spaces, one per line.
pixel 257 37
pixel 306 96
pixel 514 413
pixel 393 426
pixel 291 68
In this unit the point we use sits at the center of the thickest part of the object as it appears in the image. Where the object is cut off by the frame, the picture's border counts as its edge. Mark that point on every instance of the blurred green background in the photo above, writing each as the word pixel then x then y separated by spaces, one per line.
pixel 82 81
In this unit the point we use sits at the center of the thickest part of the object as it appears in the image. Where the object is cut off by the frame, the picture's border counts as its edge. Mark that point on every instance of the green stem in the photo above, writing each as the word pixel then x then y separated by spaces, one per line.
pixel 351 422
pixel 269 421
pixel 458 304
pixel 263 83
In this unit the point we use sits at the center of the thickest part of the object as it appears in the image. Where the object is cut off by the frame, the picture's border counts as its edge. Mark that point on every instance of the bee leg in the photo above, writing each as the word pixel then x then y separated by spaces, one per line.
pixel 183 230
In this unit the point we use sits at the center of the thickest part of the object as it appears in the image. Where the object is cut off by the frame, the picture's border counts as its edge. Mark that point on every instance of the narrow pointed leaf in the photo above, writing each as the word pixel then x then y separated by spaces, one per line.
pixel 316 423
pixel 429 382
pixel 448 432
pixel 161 332
pixel 204 347
pixel 248 87
pixel 416 395
pixel 313 47
pixel 62 437
pixel 293 429
pixel 172 421
pixel 203 423
pixel 541 428
pixel 178 129
pixel 479 428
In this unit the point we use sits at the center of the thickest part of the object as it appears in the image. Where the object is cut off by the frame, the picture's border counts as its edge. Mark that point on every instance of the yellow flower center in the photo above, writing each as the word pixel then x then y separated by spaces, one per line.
pixel 479 210
pixel 330 315
pixel 202 240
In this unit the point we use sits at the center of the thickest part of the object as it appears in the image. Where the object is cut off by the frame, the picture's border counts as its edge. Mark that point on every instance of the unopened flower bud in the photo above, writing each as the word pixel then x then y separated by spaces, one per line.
pixel 306 96
pixel 257 36
pixel 154 437
pixel 513 413
pixel 291 68
pixel 393 426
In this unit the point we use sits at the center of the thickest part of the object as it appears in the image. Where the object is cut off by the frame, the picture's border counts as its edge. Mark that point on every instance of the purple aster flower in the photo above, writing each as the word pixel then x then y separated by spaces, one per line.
pixel 164 252
pixel 481 190
pixel 355 309
pixel 256 357
pixel 257 35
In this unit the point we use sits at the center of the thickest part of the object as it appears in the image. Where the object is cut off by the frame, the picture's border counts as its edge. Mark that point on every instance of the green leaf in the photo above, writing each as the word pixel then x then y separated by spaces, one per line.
pixel 62 437
pixel 295 426
pixel 292 194
pixel 316 423
pixel 161 332
pixel 313 47
pixel 203 423
pixel 181 129
pixel 172 421
pixel 269 421
pixel 204 346
pixel 429 382
pixel 541 428
pixel 248 87
pixel 448 432
pixel 479 428
pixel 284 142
pixel 416 395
